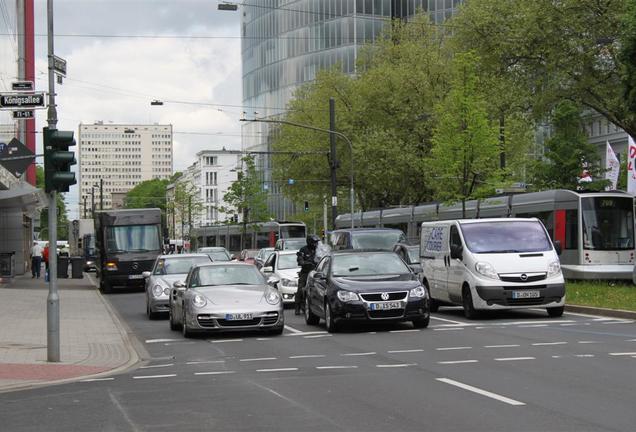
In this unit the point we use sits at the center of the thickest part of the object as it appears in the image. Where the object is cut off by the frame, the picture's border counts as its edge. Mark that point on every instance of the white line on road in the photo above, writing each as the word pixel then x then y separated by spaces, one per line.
pixel 399 365
pixel 257 359
pixel 481 392
pixel 263 339
pixel 453 348
pixel 619 322
pixel 404 331
pixel 548 343
pixel 317 336
pixel 307 356
pixel 97 379
pixel 277 370
pixel 501 346
pixel 514 358
pixel 226 340
pixel 584 355
pixel 533 325
pixel 336 367
pixel 157 366
pixel 458 362
pixel 630 340
pixel 556 356
pixel 306 333
pixel 179 343
pixel 588 342
pixel 567 325
pixel 535 322
pixel 448 328
pixel 204 362
pixel 359 354
pixel 450 321
pixel 623 354
pixel 215 373
pixel 293 330
pixel 405 351
pixel 149 341
pixel 154 376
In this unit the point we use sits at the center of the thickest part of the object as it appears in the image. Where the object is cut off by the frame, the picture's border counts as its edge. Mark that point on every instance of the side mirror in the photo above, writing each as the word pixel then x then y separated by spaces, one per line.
pixel 319 275
pixel 557 247
pixel 179 285
pixel 145 274
pixel 267 269
pixel 272 281
pixel 456 252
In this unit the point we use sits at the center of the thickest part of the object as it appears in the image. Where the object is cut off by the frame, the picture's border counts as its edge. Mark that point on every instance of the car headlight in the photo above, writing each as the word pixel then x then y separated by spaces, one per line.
pixel 199 301
pixel 486 269
pixel 272 297
pixel 554 268
pixel 289 282
pixel 347 296
pixel 157 290
pixel 417 292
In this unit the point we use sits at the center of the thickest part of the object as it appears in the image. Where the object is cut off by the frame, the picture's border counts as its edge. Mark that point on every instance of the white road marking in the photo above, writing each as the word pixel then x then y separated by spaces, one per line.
pixel 399 365
pixel 277 370
pixel 204 362
pixel 533 325
pixel 293 330
pixel 588 342
pixel 535 322
pixel 307 356
pixel 618 322
pixel 548 343
pixel 491 395
pixel 447 320
pixel 336 367
pixel 453 348
pixel 215 373
pixel 149 341
pixel 514 358
pixel 501 346
pixel 405 351
pixel 257 359
pixel 358 354
pixel 263 339
pixel 630 340
pixel 566 325
pixel 584 355
pixel 226 340
pixel 449 328
pixel 458 362
pixel 97 379
pixel 154 376
pixel 556 356
pixel 623 354
pixel 317 336
pixel 179 343
pixel 157 366
pixel 404 331
pixel 306 333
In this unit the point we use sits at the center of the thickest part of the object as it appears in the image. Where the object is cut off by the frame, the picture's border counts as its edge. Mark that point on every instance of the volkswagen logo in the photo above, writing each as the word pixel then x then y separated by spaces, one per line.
pixel 523 277
pixel 384 296
pixel 135 266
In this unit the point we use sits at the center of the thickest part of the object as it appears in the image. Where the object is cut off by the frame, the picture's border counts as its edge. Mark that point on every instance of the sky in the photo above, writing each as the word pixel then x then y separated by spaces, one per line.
pixel 123 54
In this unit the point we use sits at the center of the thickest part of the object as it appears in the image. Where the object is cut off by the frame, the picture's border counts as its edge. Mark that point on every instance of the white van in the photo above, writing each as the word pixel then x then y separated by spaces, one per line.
pixel 490 264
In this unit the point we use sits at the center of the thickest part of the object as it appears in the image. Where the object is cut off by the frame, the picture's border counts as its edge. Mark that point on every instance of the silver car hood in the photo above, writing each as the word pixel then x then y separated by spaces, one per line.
pixel 289 273
pixel 168 280
pixel 233 295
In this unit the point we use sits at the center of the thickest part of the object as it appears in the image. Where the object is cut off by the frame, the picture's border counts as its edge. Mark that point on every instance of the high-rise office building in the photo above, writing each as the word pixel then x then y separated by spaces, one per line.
pixel 121 156
pixel 284 45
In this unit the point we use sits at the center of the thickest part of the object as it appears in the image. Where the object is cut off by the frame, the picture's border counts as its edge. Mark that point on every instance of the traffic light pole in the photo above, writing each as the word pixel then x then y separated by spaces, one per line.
pixel 53 299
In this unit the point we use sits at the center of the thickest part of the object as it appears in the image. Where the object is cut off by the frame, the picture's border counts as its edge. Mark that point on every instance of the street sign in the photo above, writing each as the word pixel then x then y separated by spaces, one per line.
pixel 10 157
pixel 23 114
pixel 21 100
pixel 59 65
pixel 26 86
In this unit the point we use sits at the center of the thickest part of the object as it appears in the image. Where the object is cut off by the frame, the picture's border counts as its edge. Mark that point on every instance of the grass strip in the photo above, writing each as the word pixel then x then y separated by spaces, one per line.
pixel 602 294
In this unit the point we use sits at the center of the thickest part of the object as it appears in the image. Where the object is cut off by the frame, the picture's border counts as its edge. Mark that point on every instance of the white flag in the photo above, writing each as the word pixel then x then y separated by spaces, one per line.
pixel 631 165
pixel 612 165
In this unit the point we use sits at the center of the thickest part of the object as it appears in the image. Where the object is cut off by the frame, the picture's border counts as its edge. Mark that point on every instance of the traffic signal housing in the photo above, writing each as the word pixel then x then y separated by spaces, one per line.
pixel 58 160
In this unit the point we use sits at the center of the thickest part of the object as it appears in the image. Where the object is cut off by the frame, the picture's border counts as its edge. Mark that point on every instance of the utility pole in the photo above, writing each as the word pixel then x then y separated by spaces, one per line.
pixel 93 202
pixel 334 162
pixel 84 206
pixel 53 298
pixel 101 194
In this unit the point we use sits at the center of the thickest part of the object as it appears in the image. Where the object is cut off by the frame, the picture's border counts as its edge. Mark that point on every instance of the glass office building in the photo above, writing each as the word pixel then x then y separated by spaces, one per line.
pixel 286 42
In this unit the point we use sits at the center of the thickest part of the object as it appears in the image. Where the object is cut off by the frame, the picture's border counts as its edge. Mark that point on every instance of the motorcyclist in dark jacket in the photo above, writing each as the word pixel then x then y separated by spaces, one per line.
pixel 306 258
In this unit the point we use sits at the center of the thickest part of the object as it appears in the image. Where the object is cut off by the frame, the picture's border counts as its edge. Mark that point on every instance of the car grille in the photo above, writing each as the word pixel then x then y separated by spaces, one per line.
pixel 517 277
pixel 391 313
pixel 270 318
pixel 377 297
pixel 239 323
pixel 525 302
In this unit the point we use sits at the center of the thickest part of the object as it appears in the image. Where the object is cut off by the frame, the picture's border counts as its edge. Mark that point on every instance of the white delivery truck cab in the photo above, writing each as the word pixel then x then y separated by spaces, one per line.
pixel 490 264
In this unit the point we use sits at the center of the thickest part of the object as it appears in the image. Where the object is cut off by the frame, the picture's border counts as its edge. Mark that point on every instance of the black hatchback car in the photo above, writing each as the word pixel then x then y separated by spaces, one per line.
pixel 365 238
pixel 363 285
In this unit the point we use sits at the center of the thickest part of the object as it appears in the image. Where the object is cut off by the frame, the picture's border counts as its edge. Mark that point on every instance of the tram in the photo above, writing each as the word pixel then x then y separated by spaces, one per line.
pixel 595 229
pixel 258 234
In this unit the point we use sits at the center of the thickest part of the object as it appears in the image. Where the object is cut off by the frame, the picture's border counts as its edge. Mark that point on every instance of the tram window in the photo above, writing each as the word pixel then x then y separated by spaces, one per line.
pixel 546 217
pixel 571 229
pixel 222 240
pixel 235 242
pixel 288 231
pixel 401 226
pixel 210 241
pixel 262 240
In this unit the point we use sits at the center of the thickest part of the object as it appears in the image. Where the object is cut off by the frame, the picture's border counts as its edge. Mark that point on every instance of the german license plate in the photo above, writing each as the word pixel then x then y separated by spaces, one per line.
pixel 525 294
pixel 135 276
pixel 238 316
pixel 385 306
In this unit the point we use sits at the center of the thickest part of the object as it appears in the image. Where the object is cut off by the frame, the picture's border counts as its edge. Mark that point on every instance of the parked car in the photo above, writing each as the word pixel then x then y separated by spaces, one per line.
pixel 216 253
pixel 411 255
pixel 167 270
pixel 225 296
pixel 292 243
pixel 366 238
pixel 262 256
pixel 365 286
pixel 248 256
pixel 282 269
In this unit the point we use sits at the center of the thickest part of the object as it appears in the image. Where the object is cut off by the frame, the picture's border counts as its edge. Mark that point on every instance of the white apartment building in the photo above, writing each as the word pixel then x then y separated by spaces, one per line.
pixel 123 155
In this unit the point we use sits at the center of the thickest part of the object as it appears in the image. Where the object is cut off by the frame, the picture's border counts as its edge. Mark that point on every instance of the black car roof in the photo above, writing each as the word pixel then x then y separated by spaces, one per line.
pixel 364 229
pixel 360 251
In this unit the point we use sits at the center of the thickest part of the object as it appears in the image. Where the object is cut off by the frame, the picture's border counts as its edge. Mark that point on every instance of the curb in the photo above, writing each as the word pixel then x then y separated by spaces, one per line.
pixel 615 313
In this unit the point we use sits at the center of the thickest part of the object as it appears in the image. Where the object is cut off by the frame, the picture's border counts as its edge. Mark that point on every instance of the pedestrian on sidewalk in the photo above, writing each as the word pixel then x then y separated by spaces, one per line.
pixel 36 260
pixel 45 256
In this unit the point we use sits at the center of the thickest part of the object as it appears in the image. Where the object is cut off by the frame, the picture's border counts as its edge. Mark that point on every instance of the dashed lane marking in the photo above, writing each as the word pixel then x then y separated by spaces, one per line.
pixel 502 346
pixel 97 379
pixel 584 355
pixel 404 331
pixel 548 343
pixel 588 342
pixel 515 358
pixel 451 362
pixel 154 376
pixel 306 333
pixel 307 356
pixel 482 392
pixel 293 330
pixel 448 328
pixel 453 348
pixel 179 343
pixel 405 351
pixel 258 359
pixel 215 373
pixel 399 365
pixel 157 366
pixel 149 341
pixel 623 354
pixel 317 336
pixel 278 370
pixel 533 325
pixel 449 321
pixel 204 362
pixel 358 354
pixel 225 340
pixel 337 367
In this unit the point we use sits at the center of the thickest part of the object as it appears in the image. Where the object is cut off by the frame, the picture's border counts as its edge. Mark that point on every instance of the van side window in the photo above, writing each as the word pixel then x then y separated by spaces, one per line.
pixel 455 240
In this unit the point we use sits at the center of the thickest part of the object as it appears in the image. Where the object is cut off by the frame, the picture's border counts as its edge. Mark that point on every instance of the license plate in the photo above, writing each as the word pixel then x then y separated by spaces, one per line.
pixel 238 316
pixel 385 306
pixel 525 294
pixel 135 276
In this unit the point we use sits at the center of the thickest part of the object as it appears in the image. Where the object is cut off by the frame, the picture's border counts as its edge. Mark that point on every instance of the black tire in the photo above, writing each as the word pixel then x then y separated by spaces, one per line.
pixel 173 325
pixel 556 312
pixel 467 302
pixel 330 322
pixel 151 315
pixel 433 306
pixel 277 331
pixel 421 323
pixel 184 327
pixel 104 286
pixel 310 317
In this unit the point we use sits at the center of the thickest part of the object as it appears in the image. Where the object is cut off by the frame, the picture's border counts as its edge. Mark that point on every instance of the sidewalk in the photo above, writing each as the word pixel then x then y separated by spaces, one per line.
pixel 92 339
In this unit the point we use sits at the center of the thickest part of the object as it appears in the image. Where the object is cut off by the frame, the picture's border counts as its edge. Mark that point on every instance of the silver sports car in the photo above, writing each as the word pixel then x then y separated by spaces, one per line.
pixel 167 270
pixel 225 296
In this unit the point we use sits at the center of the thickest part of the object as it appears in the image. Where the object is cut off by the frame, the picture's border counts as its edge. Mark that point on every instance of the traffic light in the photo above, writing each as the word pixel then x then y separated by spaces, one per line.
pixel 306 206
pixel 58 160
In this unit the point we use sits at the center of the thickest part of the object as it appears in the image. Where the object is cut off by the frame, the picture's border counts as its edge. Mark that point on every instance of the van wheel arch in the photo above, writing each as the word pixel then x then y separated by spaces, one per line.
pixel 467 302
pixel 433 305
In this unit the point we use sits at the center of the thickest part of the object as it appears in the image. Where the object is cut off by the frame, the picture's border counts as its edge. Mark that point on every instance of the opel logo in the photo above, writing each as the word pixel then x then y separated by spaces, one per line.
pixel 135 265
pixel 523 277
pixel 384 296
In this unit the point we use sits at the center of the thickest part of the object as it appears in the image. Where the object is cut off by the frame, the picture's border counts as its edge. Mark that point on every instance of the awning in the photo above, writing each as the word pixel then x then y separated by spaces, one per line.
pixel 23 196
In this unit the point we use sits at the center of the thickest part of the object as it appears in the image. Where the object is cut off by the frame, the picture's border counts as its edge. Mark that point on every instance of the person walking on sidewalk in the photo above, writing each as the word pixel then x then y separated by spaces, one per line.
pixel 36 260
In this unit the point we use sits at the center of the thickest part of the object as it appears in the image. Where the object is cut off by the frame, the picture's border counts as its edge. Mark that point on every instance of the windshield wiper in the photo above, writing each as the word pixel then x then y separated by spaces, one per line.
pixel 139 250
pixel 501 251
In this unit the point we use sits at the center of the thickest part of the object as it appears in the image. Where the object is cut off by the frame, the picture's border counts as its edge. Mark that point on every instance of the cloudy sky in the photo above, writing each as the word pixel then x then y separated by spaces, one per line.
pixel 122 54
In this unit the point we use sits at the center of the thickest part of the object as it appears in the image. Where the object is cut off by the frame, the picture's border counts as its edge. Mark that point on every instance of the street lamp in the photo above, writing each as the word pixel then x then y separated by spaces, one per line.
pixel 336 133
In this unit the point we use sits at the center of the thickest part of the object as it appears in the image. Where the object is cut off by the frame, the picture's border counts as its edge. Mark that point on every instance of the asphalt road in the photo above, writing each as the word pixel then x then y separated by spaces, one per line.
pixel 518 371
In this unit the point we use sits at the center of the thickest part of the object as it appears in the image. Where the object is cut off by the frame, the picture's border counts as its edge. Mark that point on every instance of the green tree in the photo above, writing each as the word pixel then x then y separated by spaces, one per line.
pixel 465 146
pixel 186 203
pixel 148 194
pixel 567 153
pixel 62 212
pixel 628 54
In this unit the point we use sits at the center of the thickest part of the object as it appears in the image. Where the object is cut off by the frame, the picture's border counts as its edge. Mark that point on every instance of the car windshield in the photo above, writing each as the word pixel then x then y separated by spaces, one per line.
pixel 263 254
pixel 294 243
pixel 133 238
pixel 506 236
pixel 368 264
pixel 608 223
pixel 376 239
pixel 178 265
pixel 228 275
pixel 413 254
pixel 250 253
pixel 287 261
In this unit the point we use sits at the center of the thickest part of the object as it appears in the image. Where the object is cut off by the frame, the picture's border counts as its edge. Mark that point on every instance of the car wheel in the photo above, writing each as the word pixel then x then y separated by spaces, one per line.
pixel 184 327
pixel 104 286
pixel 433 305
pixel 310 317
pixel 467 301
pixel 555 312
pixel 330 322
pixel 421 323
pixel 151 315
pixel 173 325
